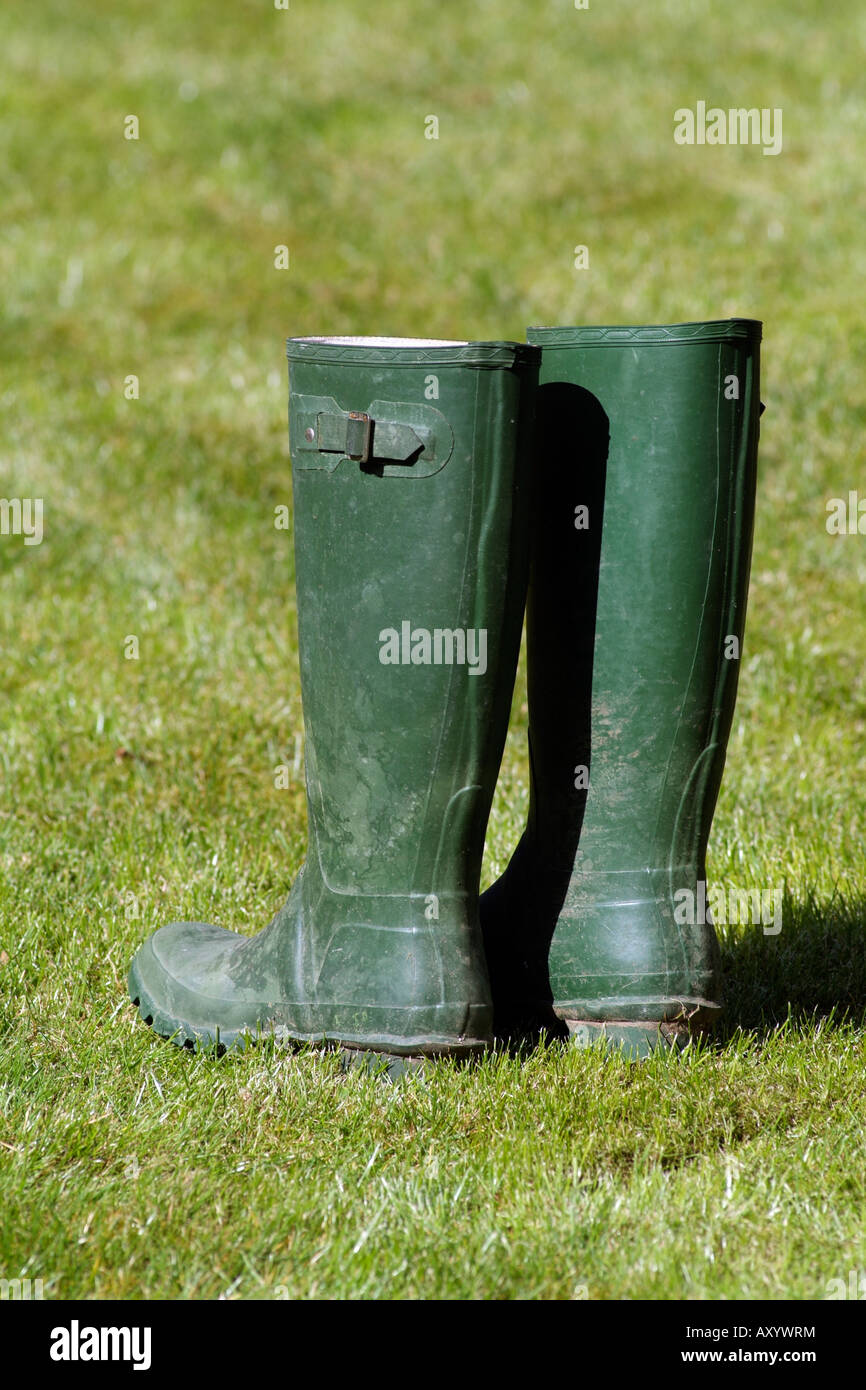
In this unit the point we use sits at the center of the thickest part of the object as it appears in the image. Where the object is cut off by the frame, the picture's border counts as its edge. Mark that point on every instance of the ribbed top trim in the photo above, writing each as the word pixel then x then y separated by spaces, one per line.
pixel 713 331
pixel 411 352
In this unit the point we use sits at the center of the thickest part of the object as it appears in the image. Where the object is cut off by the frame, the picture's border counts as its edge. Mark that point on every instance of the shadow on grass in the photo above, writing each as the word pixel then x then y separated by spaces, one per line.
pixel 814 968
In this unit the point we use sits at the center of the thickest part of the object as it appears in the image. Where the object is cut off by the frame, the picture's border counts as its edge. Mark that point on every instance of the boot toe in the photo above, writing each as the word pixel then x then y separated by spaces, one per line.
pixel 182 982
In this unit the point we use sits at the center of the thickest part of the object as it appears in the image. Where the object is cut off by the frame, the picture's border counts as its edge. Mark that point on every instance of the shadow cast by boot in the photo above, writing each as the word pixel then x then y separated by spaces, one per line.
pixel 814 967
pixel 519 912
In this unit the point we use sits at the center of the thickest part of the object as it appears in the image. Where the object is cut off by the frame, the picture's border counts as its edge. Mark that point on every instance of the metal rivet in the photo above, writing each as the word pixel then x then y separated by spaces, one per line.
pixel 310 435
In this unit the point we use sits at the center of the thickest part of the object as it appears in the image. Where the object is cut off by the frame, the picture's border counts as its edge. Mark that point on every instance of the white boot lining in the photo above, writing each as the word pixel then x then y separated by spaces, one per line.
pixel 387 342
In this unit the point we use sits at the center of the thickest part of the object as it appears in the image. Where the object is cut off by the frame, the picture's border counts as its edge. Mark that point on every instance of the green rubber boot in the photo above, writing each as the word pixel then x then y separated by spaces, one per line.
pixel 637 599
pixel 410 472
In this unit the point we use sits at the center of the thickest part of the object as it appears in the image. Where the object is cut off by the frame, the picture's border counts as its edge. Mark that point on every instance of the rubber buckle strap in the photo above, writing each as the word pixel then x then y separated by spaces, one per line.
pixel 404 434
pixel 351 434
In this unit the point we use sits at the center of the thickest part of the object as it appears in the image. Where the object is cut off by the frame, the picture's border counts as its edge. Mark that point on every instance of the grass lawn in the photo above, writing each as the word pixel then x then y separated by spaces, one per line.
pixel 138 789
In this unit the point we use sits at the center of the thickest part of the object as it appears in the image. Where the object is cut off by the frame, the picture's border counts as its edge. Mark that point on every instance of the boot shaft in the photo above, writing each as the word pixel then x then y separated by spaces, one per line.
pixel 650 438
pixel 411 576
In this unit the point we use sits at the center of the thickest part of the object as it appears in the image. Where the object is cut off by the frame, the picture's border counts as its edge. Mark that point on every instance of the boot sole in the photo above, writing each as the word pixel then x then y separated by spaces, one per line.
pixel 355 1047
pixel 635 1040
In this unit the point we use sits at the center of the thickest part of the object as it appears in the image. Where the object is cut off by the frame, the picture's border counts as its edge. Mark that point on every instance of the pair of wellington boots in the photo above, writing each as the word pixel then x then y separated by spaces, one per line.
pixel 611 471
